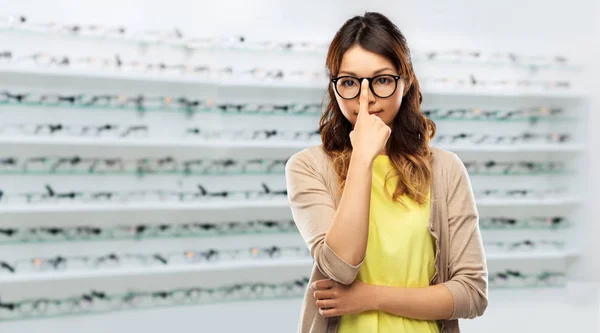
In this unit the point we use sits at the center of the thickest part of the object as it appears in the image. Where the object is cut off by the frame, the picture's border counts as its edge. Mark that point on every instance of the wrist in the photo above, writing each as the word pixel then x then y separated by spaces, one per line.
pixel 373 297
pixel 361 159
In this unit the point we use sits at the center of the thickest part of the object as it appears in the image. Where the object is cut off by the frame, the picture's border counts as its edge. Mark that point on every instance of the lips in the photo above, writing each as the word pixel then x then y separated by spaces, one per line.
pixel 371 112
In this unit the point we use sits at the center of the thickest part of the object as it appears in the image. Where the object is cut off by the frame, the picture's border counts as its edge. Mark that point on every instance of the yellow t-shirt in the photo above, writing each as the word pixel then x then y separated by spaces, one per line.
pixel 400 252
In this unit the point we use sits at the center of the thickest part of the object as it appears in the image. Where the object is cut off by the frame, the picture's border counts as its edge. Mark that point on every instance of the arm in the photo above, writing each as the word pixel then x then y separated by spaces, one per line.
pixel 467 266
pixel 349 230
pixel 429 303
pixel 337 239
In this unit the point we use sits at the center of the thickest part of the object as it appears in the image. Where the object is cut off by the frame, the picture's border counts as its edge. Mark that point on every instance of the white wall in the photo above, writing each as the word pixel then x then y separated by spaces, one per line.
pixel 589 265
pixel 570 27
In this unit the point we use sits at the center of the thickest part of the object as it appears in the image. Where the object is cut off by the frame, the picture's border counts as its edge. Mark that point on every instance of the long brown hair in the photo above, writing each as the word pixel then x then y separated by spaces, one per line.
pixel 408 145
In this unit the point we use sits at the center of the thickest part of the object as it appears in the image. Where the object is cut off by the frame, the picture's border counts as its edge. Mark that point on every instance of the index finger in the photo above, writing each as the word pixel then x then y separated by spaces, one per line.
pixel 363 100
pixel 322 284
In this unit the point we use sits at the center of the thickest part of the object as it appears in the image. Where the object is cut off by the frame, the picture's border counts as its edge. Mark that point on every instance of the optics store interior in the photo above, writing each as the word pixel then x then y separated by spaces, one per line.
pixel 147 182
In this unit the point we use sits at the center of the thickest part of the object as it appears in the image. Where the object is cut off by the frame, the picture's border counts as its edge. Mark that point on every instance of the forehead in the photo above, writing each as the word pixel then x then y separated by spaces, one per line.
pixel 363 62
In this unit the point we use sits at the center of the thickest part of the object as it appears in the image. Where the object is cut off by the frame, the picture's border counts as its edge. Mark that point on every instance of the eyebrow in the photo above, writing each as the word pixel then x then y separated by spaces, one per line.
pixel 374 73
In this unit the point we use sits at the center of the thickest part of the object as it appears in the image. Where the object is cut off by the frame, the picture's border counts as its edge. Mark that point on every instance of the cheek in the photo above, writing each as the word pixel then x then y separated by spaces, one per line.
pixel 348 108
pixel 392 105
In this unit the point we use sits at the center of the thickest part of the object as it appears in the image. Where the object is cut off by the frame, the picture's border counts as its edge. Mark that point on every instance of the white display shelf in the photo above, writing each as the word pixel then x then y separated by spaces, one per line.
pixel 151 212
pixel 139 76
pixel 156 142
pixel 200 43
pixel 264 205
pixel 145 207
pixel 228 43
pixel 158 270
pixel 106 74
pixel 558 148
pixel 322 85
pixel 292 146
pixel 508 92
pixel 533 255
pixel 231 266
pixel 118 75
pixel 561 201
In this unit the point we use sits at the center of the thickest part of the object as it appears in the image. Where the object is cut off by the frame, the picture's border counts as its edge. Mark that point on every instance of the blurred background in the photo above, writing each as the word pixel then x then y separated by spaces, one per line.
pixel 143 144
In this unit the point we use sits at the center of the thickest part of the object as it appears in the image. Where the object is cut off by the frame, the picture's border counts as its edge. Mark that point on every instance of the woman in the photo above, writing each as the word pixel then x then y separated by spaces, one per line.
pixel 390 221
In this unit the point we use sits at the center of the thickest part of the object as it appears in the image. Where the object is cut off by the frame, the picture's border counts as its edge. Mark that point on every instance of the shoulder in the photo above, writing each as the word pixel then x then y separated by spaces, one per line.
pixel 446 163
pixel 312 158
pixel 444 157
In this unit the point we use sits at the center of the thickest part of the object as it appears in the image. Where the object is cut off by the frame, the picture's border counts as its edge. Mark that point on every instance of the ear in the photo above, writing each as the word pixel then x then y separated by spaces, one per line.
pixel 407 86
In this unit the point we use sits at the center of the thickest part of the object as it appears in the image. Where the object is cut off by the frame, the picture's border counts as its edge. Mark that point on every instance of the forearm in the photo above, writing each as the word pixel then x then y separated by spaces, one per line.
pixel 428 303
pixel 348 233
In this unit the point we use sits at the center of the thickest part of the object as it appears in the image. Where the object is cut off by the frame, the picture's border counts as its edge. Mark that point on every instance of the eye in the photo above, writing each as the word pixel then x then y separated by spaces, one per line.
pixel 347 82
pixel 384 80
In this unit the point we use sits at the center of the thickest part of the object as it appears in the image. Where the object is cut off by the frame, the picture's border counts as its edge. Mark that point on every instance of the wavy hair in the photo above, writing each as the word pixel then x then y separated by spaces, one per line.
pixel 408 145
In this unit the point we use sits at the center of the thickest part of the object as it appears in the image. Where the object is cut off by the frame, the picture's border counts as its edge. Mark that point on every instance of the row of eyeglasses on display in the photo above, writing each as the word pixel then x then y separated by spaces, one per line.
pixel 242 75
pixel 213 255
pixel 177 38
pixel 192 105
pixel 200 194
pixel 139 130
pixel 170 165
pixel 141 231
pixel 96 300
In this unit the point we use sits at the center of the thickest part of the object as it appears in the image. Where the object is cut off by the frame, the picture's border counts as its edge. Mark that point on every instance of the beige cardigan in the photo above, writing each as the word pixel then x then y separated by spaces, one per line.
pixel 459 258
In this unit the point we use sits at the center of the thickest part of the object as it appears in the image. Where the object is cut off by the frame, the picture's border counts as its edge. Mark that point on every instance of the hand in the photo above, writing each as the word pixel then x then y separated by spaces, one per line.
pixel 334 299
pixel 370 133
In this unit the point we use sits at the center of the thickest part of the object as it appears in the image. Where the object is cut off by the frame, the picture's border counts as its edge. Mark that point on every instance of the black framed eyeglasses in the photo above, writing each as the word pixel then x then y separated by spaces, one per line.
pixel 382 86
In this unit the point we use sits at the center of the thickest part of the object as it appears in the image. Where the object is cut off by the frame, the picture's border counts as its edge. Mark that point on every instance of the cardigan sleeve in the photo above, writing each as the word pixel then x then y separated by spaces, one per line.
pixel 313 209
pixel 467 266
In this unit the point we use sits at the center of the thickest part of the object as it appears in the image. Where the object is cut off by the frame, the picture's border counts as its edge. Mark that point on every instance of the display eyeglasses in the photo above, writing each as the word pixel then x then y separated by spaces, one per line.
pixel 24 23
pixel 244 134
pixel 246 108
pixel 526 245
pixel 113 130
pixel 520 193
pixel 550 222
pixel 533 62
pixel 514 167
pixel 50 195
pixel 472 81
pixel 101 301
pixel 111 260
pixel 116 62
pixel 119 131
pixel 173 37
pixel 140 231
pixel 523 138
pixel 145 103
pixel 515 279
pixel 141 166
pixel 532 113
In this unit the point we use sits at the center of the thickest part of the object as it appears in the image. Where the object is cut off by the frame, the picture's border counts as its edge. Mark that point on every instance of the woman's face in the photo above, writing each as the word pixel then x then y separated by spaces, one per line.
pixel 360 63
